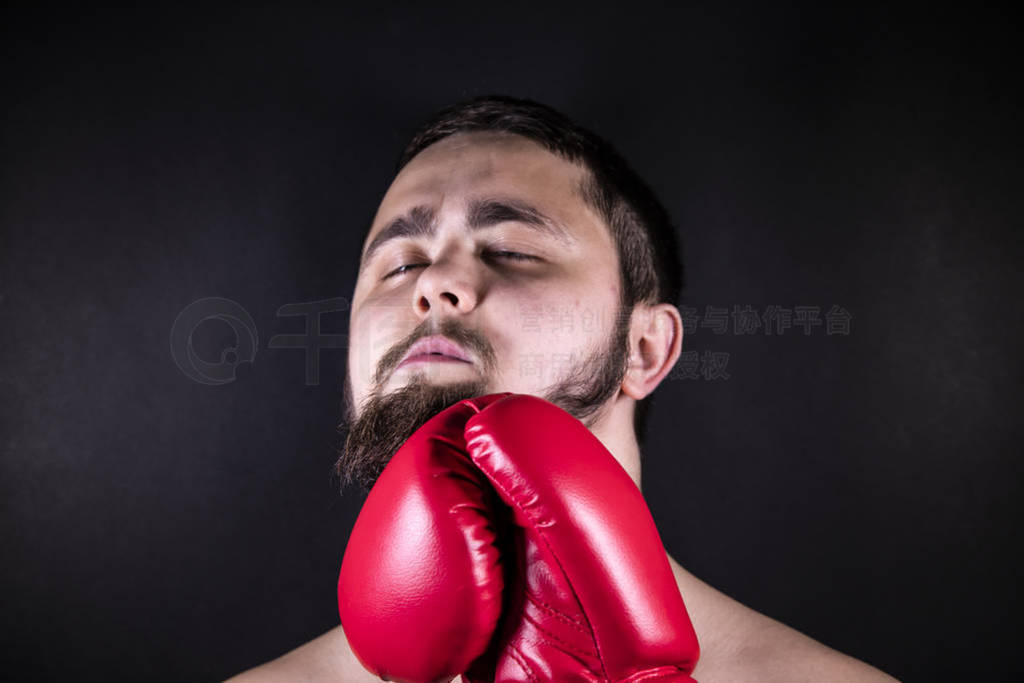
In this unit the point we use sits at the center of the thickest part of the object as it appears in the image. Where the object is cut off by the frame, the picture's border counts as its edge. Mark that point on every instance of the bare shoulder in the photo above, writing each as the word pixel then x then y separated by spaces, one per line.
pixel 766 650
pixel 325 658
pixel 739 644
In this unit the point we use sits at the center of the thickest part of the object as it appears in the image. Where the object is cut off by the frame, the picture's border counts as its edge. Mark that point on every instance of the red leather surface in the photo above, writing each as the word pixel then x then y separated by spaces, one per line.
pixel 420 586
pixel 591 594
pixel 595 597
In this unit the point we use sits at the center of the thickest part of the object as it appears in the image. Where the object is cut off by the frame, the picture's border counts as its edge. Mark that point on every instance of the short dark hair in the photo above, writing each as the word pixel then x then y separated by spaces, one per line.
pixel 650 264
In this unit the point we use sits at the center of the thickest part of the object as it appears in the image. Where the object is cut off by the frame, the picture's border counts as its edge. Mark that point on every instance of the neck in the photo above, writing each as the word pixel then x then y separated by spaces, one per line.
pixel 613 426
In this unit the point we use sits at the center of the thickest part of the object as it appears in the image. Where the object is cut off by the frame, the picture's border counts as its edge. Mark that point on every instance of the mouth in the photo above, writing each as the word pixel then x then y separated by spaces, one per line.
pixel 435 349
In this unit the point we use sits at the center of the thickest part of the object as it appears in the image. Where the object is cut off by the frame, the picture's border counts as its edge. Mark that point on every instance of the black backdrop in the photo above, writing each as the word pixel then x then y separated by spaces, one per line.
pixel 858 482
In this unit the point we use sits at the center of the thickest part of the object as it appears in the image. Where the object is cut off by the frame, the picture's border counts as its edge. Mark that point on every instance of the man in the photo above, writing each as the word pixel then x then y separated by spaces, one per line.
pixel 503 209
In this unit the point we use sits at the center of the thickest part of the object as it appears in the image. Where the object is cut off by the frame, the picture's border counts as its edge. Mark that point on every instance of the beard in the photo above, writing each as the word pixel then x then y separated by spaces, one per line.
pixel 386 421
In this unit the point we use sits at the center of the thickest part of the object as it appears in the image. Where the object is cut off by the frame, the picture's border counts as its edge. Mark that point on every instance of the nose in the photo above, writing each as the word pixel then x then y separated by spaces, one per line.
pixel 448 286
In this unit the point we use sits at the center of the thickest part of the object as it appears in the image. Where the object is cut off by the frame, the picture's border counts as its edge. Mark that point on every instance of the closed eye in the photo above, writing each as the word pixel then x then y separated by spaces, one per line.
pixel 508 255
pixel 513 255
pixel 403 269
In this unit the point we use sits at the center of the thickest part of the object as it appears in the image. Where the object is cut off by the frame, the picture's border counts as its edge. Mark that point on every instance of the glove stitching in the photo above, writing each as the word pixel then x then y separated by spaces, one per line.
pixel 568 646
pixel 520 659
pixel 660 672
pixel 472 447
pixel 554 612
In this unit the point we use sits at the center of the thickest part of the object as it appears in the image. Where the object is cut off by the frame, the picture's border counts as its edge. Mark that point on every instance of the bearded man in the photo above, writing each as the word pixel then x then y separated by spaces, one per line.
pixel 503 210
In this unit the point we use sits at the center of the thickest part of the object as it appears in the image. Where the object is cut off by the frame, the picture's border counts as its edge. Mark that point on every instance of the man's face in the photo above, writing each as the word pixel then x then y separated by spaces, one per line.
pixel 484 255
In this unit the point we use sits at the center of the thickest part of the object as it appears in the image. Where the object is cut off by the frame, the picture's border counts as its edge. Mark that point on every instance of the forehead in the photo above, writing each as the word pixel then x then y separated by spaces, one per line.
pixel 467 166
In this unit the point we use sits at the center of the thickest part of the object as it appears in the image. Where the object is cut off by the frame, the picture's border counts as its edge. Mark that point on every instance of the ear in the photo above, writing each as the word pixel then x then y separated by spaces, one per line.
pixel 655 342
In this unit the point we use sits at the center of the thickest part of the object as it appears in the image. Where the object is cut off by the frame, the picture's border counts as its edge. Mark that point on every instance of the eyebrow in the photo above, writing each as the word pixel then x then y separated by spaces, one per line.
pixel 421 221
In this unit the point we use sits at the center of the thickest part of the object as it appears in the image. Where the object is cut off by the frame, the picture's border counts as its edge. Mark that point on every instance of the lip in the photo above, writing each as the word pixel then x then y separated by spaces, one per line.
pixel 435 349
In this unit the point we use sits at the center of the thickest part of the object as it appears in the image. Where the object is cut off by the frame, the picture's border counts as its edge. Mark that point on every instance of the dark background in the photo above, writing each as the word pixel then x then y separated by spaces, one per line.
pixel 860 487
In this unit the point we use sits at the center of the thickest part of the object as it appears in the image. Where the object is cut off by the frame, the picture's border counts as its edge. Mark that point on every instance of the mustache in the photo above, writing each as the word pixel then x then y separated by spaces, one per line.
pixel 468 339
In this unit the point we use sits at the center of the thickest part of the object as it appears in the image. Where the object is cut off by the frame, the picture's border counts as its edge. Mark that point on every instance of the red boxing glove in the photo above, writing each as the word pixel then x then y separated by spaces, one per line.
pixel 594 597
pixel 420 587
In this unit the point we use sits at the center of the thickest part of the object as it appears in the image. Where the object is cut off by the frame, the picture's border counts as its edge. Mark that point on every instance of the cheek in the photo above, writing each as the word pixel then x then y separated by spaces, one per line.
pixel 374 329
pixel 541 336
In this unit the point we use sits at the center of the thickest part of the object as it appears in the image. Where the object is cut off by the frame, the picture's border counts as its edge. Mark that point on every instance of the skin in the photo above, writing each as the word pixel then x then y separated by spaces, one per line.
pixel 460 278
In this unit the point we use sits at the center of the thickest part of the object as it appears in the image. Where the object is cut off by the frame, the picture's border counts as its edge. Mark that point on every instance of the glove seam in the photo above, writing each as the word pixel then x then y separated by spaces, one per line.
pixel 472 446
pixel 653 673
pixel 554 612
pixel 543 537
pixel 553 637
pixel 520 659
